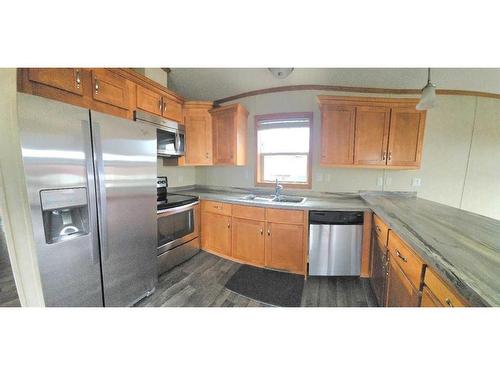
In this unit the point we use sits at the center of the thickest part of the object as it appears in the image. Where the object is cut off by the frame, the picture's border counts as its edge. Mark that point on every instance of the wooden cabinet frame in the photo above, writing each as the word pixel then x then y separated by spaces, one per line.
pixel 387 158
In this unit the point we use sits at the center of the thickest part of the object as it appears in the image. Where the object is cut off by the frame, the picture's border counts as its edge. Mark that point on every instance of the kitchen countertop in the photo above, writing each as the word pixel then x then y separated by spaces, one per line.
pixel 463 247
pixel 314 201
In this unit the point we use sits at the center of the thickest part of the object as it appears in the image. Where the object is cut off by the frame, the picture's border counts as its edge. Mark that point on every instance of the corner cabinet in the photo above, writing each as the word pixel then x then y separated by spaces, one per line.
pixel 371 132
pixel 229 126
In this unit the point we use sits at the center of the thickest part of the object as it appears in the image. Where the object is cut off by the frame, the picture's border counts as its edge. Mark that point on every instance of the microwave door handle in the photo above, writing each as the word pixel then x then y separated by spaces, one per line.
pixel 101 191
pixel 177 142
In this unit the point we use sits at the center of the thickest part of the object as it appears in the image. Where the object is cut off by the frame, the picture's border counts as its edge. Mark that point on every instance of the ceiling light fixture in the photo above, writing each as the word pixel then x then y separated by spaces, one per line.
pixel 281 73
pixel 428 98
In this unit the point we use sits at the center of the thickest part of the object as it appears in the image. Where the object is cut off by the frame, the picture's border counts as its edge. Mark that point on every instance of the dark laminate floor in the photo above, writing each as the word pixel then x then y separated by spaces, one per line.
pixel 200 281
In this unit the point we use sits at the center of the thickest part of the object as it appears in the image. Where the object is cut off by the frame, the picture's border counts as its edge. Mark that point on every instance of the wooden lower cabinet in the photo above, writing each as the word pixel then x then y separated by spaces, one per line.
pixel 429 299
pixel 264 237
pixel 442 293
pixel 248 240
pixel 285 247
pixel 216 233
pixel 378 279
pixel 400 291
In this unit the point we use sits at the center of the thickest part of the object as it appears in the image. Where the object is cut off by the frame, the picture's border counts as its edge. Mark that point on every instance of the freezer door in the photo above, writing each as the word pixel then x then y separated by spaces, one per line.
pixel 57 157
pixel 125 163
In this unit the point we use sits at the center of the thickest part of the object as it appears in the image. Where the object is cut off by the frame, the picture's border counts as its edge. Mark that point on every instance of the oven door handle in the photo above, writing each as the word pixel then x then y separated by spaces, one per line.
pixel 176 210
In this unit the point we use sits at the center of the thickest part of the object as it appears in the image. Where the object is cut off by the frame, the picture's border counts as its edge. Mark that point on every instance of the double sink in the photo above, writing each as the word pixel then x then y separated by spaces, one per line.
pixel 274 198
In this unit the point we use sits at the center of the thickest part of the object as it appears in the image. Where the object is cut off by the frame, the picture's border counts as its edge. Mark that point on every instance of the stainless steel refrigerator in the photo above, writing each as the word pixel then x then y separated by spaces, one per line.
pixel 91 182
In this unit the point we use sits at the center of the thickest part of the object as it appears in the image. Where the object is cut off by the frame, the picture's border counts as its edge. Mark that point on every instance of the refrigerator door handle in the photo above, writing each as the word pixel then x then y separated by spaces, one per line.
pixel 101 190
pixel 91 192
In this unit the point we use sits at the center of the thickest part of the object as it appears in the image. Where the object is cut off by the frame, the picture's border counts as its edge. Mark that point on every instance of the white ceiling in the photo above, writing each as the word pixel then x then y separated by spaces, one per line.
pixel 218 83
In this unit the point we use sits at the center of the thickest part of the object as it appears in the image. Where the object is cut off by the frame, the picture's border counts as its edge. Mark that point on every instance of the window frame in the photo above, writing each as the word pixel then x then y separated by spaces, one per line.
pixel 259 157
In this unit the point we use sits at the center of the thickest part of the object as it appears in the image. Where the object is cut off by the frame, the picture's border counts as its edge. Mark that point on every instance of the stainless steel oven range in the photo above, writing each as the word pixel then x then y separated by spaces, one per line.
pixel 178 218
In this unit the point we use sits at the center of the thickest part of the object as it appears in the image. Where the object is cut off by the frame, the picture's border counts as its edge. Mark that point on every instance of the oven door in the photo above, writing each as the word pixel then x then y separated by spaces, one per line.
pixel 177 225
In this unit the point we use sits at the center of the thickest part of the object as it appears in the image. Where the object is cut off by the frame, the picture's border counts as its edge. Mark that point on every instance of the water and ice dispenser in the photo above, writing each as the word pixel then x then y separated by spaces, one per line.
pixel 65 213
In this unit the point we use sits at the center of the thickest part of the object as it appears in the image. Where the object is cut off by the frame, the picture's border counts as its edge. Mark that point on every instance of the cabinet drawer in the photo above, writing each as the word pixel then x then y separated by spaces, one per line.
pixel 67 79
pixel 381 229
pixel 429 299
pixel 110 88
pixel 443 293
pixel 409 262
pixel 284 216
pixel 248 212
pixel 216 207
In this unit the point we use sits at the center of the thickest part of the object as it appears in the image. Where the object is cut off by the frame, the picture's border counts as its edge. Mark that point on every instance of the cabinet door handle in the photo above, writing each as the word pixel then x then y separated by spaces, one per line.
pixel 269 232
pixel 228 225
pixel 448 302
pixel 378 228
pixel 403 258
pixel 261 231
pixel 77 79
pixel 160 105
pixel 96 86
pixel 206 155
pixel 384 155
pixel 164 106
pixel 390 155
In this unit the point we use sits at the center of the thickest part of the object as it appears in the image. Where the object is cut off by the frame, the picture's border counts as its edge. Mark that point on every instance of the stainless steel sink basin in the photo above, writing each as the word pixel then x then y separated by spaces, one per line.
pixel 274 198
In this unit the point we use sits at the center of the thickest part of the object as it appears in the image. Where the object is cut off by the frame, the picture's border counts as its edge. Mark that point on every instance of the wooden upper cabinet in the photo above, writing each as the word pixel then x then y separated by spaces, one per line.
pixel 229 126
pixel 406 137
pixel 148 100
pixel 337 135
pixel 248 240
pixel 67 79
pixel 371 135
pixel 198 123
pixel 371 132
pixel 172 109
pixel 110 88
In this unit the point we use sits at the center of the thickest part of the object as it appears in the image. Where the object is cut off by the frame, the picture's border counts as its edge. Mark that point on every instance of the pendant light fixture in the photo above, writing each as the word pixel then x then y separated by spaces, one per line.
pixel 428 98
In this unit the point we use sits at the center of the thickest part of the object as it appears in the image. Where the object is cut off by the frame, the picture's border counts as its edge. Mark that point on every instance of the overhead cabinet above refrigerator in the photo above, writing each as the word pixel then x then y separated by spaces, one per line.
pixel 91 183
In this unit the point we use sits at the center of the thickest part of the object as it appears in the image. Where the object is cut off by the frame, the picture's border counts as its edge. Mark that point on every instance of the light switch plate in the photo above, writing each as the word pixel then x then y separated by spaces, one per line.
pixel 416 181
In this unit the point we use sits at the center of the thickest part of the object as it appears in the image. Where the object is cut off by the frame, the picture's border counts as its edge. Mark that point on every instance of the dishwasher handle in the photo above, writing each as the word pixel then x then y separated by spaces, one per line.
pixel 336 217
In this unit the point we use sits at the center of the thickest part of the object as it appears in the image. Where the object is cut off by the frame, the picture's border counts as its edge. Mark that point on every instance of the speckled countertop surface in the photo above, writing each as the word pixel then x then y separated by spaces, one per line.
pixel 464 248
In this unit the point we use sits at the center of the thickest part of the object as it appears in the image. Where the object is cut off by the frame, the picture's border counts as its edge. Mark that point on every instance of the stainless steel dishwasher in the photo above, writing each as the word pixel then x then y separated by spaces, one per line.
pixel 335 243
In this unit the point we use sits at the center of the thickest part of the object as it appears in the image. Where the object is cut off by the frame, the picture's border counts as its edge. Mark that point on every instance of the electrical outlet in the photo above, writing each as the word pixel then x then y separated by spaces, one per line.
pixel 416 181
pixel 388 181
pixel 380 181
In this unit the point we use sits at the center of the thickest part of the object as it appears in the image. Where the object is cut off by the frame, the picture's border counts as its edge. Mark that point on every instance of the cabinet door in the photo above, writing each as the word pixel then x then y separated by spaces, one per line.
pixel 405 137
pixel 110 88
pixel 148 100
pixel 172 109
pixel 67 79
pixel 371 136
pixel 400 292
pixel 198 138
pixel 285 247
pixel 378 277
pixel 337 135
pixel 248 240
pixel 216 233
pixel 224 138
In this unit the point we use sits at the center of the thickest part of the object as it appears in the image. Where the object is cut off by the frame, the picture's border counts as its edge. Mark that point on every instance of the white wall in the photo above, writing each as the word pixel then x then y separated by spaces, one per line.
pixel 177 176
pixel 447 144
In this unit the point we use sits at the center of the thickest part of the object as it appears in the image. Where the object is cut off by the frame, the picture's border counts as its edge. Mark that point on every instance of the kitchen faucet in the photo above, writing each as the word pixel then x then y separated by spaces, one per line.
pixel 277 189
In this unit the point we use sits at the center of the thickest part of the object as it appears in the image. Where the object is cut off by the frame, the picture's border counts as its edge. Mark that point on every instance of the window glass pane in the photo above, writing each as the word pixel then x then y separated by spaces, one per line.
pixel 286 168
pixel 280 140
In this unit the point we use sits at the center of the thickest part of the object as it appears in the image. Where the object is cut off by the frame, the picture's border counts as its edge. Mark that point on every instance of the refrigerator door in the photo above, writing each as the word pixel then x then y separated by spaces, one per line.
pixel 57 157
pixel 125 163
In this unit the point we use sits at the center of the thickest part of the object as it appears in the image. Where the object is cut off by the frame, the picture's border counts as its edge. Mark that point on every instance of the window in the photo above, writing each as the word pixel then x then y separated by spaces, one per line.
pixel 283 149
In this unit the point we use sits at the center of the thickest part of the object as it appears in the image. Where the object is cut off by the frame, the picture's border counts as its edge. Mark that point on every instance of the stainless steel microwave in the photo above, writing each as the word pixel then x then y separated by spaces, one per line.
pixel 170 136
